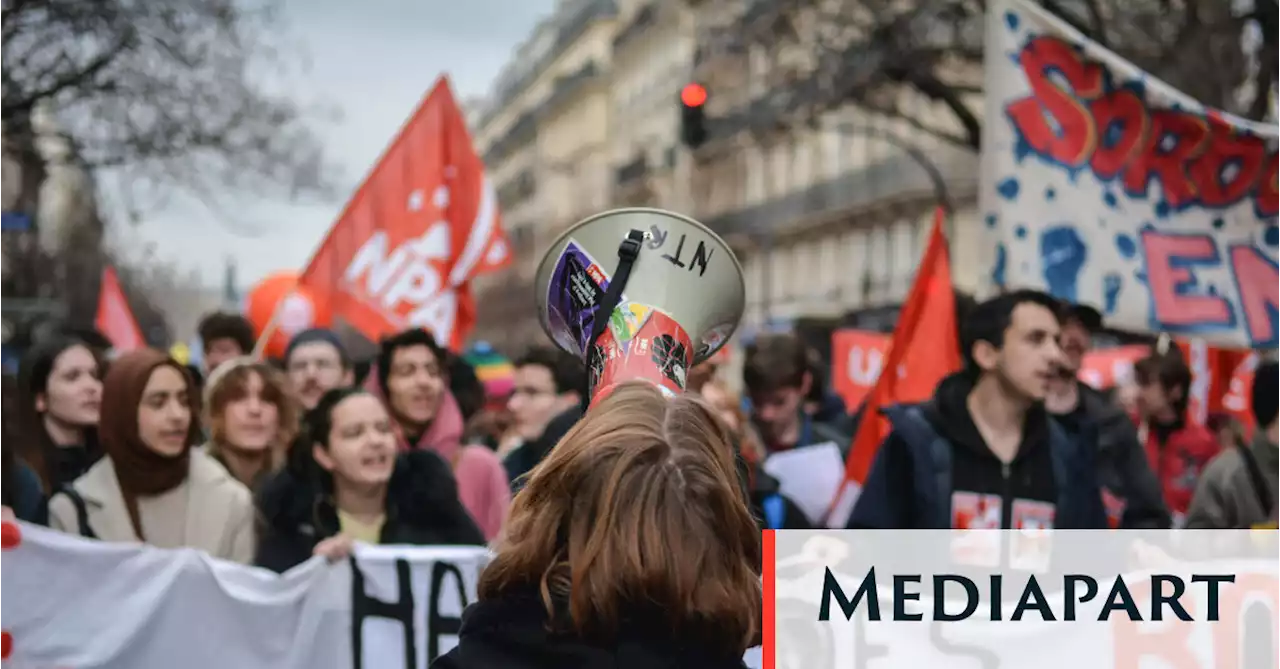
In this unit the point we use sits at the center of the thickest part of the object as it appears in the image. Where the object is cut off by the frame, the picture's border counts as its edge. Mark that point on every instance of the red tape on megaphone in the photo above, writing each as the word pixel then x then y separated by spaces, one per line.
pixel 640 343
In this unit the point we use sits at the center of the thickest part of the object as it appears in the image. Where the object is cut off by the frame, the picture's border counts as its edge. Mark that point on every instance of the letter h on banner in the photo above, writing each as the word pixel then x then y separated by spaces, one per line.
pixel 364 607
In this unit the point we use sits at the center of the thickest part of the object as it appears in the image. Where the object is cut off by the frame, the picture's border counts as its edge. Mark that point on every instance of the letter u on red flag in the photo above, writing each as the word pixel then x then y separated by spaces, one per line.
pixel 924 349
pixel 421 226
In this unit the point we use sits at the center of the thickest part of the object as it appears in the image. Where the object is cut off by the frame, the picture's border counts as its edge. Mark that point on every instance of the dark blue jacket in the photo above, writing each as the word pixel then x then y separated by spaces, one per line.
pixel 910 483
pixel 29 503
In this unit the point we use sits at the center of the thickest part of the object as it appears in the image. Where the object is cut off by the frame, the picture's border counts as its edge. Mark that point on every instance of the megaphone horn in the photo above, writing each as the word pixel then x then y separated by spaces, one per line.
pixel 672 297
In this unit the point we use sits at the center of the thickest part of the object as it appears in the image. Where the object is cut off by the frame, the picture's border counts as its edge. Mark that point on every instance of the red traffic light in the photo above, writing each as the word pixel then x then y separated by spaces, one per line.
pixel 693 95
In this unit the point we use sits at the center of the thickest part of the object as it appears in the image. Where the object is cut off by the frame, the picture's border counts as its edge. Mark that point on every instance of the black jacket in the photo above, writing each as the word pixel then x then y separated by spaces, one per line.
pixel 771 509
pixel 422 509
pixel 934 471
pixel 1123 468
pixel 510 632
pixel 523 459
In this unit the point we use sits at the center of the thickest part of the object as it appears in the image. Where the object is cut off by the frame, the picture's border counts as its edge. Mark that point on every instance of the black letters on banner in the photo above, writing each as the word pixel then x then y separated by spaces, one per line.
pixel 363 606
pixel 438 624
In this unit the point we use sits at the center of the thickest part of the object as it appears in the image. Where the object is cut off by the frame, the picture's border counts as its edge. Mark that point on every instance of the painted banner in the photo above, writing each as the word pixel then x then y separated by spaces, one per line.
pixel 1104 186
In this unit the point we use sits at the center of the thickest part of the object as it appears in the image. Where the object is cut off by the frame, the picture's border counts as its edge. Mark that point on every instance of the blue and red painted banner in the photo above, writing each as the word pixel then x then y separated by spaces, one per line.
pixel 1104 186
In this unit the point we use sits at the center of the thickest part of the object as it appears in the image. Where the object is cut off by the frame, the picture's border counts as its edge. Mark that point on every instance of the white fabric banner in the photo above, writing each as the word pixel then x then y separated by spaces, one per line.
pixel 1104 186
pixel 73 603
pixel 70 603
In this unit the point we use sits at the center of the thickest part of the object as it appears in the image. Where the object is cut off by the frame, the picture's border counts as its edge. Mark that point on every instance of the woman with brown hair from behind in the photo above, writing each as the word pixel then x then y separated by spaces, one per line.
pixel 630 546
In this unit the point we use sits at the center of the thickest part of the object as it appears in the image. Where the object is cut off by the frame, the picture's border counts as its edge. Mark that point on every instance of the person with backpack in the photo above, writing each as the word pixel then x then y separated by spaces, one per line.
pixel 1237 490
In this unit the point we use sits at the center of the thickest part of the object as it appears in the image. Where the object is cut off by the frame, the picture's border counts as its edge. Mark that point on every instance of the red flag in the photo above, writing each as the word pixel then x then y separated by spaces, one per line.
pixel 421 226
pixel 115 319
pixel 924 350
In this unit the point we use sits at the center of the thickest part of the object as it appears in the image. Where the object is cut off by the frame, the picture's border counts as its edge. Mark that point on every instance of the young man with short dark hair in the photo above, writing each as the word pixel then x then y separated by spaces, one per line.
pixel 224 336
pixel 317 362
pixel 778 381
pixel 983 453
pixel 546 402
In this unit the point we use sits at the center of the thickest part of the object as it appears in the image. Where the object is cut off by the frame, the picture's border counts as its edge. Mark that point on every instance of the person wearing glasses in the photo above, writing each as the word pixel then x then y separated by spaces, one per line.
pixel 317 362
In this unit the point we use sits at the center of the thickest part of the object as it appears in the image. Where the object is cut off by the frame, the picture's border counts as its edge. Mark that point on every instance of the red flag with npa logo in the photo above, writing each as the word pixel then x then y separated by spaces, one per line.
pixel 421 226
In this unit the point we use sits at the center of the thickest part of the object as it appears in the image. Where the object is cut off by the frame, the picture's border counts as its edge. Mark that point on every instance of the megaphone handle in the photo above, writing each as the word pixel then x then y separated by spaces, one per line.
pixel 628 252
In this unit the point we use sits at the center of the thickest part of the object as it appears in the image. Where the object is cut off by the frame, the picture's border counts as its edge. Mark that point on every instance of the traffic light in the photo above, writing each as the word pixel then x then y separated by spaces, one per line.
pixel 693 120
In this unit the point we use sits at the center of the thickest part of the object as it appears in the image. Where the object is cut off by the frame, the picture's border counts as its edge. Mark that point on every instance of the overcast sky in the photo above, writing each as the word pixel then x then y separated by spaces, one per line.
pixel 373 61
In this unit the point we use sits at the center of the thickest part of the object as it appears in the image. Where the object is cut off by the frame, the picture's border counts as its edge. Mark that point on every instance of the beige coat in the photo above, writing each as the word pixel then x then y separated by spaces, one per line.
pixel 218 517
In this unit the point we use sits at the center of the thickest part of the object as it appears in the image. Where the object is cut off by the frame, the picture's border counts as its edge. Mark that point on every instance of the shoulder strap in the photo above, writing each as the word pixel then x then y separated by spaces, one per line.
pixel 82 511
pixel 933 477
pixel 1256 478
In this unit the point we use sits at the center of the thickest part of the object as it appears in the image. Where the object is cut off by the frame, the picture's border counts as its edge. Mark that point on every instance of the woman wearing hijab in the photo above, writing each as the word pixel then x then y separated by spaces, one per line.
pixel 152 486
pixel 58 404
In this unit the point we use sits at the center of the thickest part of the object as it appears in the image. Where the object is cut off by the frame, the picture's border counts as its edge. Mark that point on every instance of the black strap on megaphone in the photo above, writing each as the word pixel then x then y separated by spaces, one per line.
pixel 628 251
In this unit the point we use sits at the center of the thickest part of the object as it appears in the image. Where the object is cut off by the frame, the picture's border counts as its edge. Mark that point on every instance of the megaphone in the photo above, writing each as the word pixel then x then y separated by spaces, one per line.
pixel 639 293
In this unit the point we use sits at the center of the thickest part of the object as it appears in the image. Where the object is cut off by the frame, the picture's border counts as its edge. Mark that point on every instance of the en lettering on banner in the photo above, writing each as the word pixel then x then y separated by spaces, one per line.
pixel 1104 186
pixel 71 603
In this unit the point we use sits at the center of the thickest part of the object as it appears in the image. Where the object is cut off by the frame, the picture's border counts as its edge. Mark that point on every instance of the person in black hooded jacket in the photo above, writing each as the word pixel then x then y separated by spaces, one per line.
pixel 358 490
pixel 984 453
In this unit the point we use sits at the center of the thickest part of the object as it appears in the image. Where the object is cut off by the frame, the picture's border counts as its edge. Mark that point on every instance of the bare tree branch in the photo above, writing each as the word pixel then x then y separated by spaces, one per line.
pixel 824 54
pixel 178 94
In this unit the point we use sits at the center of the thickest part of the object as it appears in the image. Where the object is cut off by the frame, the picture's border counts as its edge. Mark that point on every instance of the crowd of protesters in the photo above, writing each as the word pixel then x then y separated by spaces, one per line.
pixel 270 463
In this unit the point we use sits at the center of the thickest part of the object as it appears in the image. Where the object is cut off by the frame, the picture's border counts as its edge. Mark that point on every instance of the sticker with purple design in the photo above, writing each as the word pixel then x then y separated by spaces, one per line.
pixel 575 289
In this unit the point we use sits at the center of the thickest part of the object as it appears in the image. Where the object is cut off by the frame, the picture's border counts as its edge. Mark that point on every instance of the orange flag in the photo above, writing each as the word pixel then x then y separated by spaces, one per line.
pixel 421 226
pixel 115 319
pixel 924 350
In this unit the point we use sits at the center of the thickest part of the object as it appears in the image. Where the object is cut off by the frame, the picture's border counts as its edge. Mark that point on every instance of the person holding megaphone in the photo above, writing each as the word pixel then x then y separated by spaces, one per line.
pixel 631 543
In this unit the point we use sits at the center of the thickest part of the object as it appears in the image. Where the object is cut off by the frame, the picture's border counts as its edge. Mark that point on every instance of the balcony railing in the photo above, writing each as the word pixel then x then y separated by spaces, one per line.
pixel 631 171
pixel 518 189
pixel 643 20
pixel 568 33
pixel 568 86
pixel 893 179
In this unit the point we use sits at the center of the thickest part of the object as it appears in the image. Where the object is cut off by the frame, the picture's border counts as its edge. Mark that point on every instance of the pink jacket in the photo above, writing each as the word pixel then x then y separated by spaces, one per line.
pixel 482 480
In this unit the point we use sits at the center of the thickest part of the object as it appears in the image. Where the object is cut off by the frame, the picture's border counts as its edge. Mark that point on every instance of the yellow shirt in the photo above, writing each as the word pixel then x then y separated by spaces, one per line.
pixel 358 530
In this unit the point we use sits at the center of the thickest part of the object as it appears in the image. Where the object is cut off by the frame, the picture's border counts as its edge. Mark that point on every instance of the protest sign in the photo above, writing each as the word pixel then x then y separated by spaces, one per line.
pixel 1104 186
pixel 71 603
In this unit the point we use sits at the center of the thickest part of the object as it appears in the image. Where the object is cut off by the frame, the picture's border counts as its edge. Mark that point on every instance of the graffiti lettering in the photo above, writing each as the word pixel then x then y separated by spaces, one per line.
pixel 1180 302
pixel 1077 118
